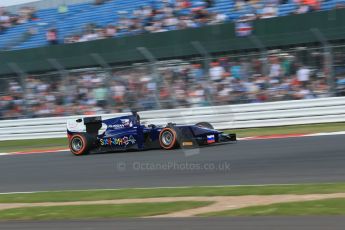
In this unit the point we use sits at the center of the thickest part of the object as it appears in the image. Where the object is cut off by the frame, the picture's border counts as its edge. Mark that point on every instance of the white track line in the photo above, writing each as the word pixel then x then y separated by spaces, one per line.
pixel 325 134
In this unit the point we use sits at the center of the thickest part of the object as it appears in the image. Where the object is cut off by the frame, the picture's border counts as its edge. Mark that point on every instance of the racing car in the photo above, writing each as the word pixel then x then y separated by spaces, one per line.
pixel 95 135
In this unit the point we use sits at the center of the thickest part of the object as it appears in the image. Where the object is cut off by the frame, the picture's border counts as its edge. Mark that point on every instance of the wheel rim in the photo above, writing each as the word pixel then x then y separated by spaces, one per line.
pixel 77 144
pixel 167 138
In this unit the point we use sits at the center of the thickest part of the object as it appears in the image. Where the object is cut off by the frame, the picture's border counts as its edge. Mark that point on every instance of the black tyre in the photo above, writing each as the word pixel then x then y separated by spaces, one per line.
pixel 81 143
pixel 205 125
pixel 168 138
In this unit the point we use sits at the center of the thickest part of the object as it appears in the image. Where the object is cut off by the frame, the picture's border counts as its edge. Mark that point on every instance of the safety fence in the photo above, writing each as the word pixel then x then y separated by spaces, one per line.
pixel 222 117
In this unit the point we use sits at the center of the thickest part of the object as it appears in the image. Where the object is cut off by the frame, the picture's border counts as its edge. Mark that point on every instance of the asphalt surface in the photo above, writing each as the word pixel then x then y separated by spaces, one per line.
pixel 277 161
pixel 240 223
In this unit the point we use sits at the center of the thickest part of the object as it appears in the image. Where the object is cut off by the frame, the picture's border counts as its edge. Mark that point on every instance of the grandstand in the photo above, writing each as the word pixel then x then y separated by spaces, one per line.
pixel 282 59
pixel 82 14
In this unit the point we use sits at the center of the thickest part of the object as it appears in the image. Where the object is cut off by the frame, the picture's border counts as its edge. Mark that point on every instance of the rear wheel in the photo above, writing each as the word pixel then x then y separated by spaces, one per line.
pixel 205 125
pixel 168 138
pixel 80 144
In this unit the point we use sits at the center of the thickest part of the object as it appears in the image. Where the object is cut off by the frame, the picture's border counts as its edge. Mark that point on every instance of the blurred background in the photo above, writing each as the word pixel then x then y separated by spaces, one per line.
pixel 62 57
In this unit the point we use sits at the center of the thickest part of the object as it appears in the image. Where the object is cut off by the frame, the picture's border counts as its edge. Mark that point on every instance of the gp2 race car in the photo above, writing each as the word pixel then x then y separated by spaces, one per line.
pixel 94 135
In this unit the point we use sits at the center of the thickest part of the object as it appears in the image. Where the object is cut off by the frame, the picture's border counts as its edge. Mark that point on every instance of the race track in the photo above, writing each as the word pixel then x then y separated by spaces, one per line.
pixel 276 161
pixel 233 223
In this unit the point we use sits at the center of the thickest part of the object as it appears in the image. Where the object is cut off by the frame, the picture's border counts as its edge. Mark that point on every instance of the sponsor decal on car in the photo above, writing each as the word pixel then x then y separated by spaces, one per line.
pixel 74 126
pixel 116 126
pixel 124 141
pixel 125 123
pixel 187 143
pixel 210 139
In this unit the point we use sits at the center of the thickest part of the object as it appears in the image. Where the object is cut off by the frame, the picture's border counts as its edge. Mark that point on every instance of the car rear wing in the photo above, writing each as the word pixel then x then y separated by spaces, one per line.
pixel 89 125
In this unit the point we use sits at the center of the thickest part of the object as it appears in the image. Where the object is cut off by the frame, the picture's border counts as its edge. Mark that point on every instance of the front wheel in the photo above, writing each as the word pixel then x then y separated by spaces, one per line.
pixel 168 138
pixel 205 125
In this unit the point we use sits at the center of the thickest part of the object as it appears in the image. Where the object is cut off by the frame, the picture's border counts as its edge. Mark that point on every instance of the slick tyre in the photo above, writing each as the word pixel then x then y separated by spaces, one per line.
pixel 205 125
pixel 80 144
pixel 168 138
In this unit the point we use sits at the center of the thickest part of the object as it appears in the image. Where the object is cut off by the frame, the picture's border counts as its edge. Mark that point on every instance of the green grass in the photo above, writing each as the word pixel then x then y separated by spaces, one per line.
pixel 43 144
pixel 27 145
pixel 291 129
pixel 91 195
pixel 97 211
pixel 304 208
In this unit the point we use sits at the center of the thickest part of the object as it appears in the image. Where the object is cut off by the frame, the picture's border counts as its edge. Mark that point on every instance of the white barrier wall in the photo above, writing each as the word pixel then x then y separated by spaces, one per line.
pixel 222 117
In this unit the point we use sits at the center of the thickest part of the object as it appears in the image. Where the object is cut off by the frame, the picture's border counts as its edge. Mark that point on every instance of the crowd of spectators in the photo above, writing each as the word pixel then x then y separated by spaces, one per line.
pixel 183 84
pixel 8 19
pixel 182 14
pixel 160 16
pixel 172 15
pixel 257 9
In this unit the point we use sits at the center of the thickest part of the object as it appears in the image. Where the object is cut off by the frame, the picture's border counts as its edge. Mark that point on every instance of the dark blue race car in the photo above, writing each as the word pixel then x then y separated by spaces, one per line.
pixel 94 135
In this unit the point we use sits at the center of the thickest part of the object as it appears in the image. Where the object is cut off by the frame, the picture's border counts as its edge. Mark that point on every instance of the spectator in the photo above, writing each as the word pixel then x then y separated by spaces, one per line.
pixel 239 4
pixel 196 96
pixel 52 37
pixel 275 71
pixel 269 11
pixel 313 4
pixel 26 14
pixel 302 9
pixel 197 73
pixel 5 21
pixel 100 2
pixel 216 72
pixel 209 3
pixel 110 31
pixel 90 34
pixel 182 4
pixel 236 71
pixel 303 75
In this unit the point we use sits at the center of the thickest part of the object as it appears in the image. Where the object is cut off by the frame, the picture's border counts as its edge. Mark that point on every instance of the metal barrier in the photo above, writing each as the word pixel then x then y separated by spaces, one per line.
pixel 222 117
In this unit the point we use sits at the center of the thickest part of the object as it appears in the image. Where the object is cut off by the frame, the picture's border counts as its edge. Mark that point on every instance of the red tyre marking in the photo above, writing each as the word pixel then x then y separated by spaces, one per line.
pixel 172 143
pixel 80 152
